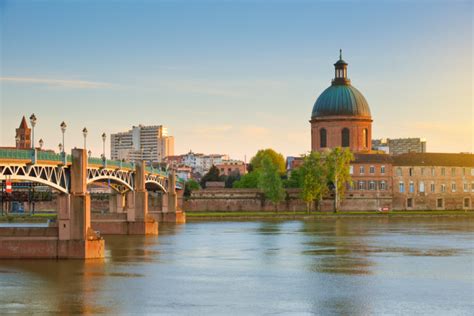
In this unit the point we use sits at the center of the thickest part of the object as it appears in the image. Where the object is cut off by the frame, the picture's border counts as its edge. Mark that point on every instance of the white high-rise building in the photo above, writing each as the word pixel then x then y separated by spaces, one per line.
pixel 150 143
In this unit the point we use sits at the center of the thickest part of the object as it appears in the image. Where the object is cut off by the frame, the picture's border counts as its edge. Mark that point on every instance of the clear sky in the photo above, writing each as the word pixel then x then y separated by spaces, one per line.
pixel 234 76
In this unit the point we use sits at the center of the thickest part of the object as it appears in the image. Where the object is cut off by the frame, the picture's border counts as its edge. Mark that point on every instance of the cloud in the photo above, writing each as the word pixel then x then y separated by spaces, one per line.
pixel 75 84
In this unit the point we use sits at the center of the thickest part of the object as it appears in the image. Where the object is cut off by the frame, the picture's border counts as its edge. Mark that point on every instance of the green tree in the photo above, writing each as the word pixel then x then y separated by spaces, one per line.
pixel 313 175
pixel 270 182
pixel 231 178
pixel 277 159
pixel 212 175
pixel 189 186
pixel 294 180
pixel 247 181
pixel 338 164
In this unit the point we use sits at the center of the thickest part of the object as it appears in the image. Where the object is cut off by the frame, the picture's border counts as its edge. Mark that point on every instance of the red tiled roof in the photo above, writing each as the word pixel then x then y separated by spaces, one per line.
pixel 23 123
pixel 434 159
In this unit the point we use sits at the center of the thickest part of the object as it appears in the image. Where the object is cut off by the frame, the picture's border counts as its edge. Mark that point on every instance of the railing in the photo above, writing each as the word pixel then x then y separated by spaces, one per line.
pixel 27 154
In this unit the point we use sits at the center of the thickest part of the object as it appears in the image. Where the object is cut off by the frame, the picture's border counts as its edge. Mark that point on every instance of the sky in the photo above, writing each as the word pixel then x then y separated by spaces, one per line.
pixel 233 77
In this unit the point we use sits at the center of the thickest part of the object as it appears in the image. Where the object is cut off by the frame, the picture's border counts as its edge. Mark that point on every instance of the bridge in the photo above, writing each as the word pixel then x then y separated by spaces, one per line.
pixel 78 232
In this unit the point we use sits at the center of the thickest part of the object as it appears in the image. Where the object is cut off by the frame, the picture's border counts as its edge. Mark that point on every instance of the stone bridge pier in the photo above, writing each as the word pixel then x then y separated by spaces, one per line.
pixel 170 212
pixel 128 212
pixel 72 237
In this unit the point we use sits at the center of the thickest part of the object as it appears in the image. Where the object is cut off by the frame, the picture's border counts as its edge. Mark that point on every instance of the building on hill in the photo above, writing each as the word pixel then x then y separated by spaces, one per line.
pixel 399 146
pixel 230 167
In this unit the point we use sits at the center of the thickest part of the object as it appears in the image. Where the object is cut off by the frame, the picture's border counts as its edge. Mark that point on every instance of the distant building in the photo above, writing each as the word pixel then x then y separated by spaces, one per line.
pixel 398 146
pixel 201 163
pixel 228 167
pixel 23 135
pixel 150 143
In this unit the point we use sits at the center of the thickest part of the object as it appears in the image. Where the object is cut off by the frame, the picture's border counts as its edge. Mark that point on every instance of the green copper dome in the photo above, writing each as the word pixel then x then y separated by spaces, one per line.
pixel 341 98
pixel 338 100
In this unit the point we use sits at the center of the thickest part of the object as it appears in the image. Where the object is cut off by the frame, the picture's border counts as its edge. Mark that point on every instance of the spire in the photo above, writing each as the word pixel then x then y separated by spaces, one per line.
pixel 340 54
pixel 23 124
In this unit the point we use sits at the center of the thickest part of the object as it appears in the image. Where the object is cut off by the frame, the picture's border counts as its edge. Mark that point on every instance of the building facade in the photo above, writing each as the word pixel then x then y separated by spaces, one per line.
pixel 399 146
pixel 232 167
pixel 150 143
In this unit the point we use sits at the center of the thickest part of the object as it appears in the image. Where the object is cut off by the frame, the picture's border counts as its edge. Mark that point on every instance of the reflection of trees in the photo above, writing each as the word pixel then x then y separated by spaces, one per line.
pixel 338 246
pixel 270 245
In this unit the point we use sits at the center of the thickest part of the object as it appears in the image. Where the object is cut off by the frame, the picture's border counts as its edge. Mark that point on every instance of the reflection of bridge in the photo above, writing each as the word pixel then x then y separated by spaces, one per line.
pixel 70 175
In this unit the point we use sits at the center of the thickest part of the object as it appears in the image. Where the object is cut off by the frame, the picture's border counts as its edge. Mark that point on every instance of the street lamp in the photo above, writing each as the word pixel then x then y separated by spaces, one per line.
pixel 84 132
pixel 104 137
pixel 60 146
pixel 41 142
pixel 17 140
pixel 90 153
pixel 63 130
pixel 33 123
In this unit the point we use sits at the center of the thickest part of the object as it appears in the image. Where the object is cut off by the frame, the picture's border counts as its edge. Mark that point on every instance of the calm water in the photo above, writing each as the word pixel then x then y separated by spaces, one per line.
pixel 345 267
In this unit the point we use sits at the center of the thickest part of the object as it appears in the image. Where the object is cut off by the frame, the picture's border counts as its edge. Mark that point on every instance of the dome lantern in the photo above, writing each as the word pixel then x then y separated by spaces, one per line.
pixel 340 71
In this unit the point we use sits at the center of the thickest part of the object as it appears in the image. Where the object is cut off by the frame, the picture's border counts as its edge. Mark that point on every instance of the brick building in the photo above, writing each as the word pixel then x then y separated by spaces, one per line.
pixel 228 167
pixel 399 146
pixel 23 135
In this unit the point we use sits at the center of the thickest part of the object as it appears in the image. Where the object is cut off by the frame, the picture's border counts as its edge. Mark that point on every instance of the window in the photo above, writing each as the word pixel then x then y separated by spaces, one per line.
pixel 432 187
pixel 422 171
pixel 382 169
pixel 464 172
pixel 453 187
pixel 351 169
pixel 409 202
pixel 345 135
pixel 411 172
pixel 361 185
pixel 365 137
pixel 472 186
pixel 443 171
pixel 453 172
pixel 372 169
pixel 412 187
pixel 399 171
pixel 466 187
pixel 361 169
pixel 421 186
pixel 383 185
pixel 372 185
pixel 467 202
pixel 401 187
pixel 443 188
pixel 322 138
pixel 439 203
pixel 433 172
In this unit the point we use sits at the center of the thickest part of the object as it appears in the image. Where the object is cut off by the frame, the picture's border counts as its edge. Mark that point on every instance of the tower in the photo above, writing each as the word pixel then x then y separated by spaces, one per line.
pixel 341 115
pixel 23 135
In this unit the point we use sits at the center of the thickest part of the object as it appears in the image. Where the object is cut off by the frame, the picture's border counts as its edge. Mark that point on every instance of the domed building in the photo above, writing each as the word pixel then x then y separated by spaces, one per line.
pixel 341 115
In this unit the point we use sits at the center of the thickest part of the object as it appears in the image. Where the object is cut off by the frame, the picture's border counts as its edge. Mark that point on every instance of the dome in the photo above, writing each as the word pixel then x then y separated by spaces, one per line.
pixel 341 100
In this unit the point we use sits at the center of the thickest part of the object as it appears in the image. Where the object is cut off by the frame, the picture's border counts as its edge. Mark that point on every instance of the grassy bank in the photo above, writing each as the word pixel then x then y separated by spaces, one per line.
pixel 302 215
pixel 26 218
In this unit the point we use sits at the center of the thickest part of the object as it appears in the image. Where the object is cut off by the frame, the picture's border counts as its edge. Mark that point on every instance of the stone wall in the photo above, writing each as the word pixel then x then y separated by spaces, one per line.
pixel 251 200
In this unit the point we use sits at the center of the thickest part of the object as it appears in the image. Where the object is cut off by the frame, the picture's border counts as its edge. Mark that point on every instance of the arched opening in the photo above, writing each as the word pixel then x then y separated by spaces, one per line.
pixel 322 138
pixel 345 135
pixel 365 137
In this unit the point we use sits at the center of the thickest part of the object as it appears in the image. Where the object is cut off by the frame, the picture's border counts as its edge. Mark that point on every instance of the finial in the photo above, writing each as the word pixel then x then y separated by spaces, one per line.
pixel 340 54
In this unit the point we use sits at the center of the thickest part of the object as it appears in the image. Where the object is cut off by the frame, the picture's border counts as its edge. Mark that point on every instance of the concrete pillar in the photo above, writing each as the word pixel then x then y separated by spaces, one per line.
pixel 141 195
pixel 116 203
pixel 172 196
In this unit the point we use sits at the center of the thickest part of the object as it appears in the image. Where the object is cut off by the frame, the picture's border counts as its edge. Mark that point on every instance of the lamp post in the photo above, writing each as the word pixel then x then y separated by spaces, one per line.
pixel 89 153
pixel 17 141
pixel 63 130
pixel 41 143
pixel 84 133
pixel 60 146
pixel 33 123
pixel 104 137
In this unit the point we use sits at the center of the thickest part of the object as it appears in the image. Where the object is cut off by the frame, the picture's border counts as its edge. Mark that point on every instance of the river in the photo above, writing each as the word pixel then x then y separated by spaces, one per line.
pixel 348 266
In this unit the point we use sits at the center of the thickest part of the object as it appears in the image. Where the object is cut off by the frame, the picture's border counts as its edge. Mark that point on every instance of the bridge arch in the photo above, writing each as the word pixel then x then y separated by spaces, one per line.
pixel 161 186
pixel 53 176
pixel 107 178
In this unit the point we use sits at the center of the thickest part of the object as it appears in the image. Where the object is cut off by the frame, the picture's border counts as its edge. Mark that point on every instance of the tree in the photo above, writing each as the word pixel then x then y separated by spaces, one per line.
pixel 212 175
pixel 247 181
pixel 294 181
pixel 231 178
pixel 313 175
pixel 277 159
pixel 190 186
pixel 269 181
pixel 338 164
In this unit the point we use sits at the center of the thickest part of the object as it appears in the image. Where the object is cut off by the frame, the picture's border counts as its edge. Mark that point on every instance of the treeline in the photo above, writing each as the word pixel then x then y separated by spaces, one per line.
pixel 319 175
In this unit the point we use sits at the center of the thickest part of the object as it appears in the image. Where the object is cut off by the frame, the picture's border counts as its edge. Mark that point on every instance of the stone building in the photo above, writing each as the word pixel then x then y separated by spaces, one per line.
pixel 397 146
